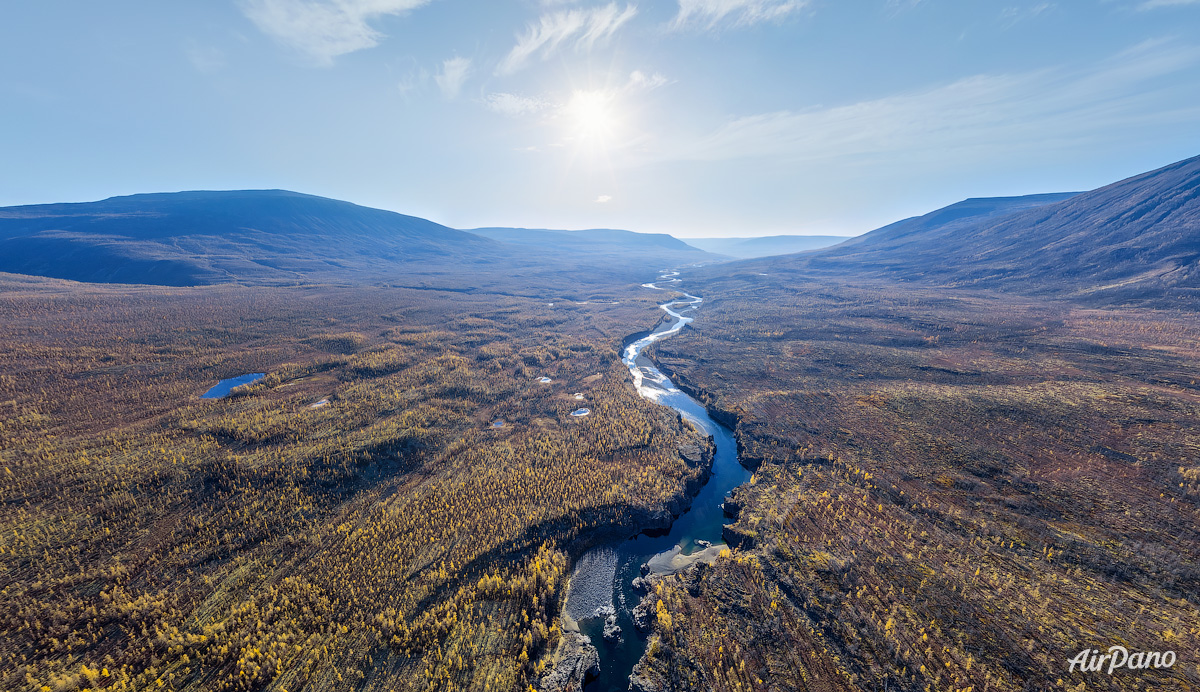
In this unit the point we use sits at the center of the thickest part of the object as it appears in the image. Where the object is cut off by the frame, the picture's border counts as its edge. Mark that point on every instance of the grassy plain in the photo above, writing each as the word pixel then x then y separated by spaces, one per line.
pixel 393 539
pixel 955 491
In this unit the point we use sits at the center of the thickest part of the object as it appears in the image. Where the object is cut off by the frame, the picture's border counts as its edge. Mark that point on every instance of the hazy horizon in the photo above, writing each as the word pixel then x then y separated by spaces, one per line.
pixel 699 119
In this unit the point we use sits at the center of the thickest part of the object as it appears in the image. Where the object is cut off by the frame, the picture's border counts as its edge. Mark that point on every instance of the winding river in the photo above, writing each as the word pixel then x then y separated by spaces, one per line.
pixel 601 583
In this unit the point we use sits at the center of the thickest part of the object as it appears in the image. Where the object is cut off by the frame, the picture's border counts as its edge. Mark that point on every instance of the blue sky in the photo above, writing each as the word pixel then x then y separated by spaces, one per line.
pixel 692 117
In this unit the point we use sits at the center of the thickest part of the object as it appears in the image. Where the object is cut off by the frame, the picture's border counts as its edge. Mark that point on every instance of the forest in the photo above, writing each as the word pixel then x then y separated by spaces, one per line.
pixel 394 506
pixel 954 491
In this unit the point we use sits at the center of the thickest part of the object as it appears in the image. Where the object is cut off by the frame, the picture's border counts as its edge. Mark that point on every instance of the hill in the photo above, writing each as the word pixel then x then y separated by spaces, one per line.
pixel 598 241
pixel 764 246
pixel 278 237
pixel 204 237
pixel 947 220
pixel 1135 240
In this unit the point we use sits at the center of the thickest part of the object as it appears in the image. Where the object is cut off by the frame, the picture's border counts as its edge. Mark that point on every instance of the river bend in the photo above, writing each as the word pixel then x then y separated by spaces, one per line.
pixel 601 582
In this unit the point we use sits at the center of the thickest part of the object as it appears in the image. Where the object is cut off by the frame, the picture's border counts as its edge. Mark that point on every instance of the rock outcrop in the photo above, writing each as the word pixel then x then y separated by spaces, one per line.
pixel 692 454
pixel 575 662
pixel 643 616
pixel 641 683
pixel 612 631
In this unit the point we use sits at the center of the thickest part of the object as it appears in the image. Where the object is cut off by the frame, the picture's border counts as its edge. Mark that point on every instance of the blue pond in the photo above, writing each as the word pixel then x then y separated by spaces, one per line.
pixel 222 389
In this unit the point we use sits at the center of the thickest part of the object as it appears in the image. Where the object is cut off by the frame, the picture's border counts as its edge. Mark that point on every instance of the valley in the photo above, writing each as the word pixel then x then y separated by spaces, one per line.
pixel 925 458
pixel 600 346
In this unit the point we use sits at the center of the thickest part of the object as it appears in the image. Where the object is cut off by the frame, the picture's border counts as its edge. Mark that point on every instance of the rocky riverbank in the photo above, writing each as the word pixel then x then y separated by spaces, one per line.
pixel 576 659
pixel 574 662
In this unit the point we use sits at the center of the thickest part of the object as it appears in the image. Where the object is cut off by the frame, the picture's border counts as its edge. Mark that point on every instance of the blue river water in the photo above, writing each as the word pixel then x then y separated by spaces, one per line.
pixel 601 582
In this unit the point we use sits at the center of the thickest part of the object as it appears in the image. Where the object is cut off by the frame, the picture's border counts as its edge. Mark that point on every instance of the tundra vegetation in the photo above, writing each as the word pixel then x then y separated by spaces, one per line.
pixel 954 491
pixel 392 539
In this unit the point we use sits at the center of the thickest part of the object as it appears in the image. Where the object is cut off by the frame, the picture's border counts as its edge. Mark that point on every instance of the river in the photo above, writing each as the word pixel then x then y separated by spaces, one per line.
pixel 602 577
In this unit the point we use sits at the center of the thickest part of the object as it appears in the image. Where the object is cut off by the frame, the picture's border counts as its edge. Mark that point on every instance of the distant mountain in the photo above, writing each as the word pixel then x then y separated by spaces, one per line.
pixel 946 220
pixel 190 238
pixel 597 240
pixel 764 246
pixel 1134 240
pixel 281 237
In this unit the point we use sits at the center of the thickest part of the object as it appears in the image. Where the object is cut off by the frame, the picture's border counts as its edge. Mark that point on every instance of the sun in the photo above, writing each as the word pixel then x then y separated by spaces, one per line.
pixel 592 116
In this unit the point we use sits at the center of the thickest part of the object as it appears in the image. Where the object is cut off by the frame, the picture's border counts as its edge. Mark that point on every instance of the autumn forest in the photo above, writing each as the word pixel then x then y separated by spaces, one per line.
pixel 975 469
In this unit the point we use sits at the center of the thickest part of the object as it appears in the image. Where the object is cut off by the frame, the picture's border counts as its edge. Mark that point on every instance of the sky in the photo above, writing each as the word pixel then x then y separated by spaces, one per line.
pixel 690 117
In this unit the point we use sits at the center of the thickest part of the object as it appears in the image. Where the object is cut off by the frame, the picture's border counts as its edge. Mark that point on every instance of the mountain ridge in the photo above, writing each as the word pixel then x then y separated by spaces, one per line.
pixel 203 237
pixel 1137 239
pixel 591 238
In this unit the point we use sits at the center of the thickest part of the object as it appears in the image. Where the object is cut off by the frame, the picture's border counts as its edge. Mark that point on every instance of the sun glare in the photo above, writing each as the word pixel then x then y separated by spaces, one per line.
pixel 593 116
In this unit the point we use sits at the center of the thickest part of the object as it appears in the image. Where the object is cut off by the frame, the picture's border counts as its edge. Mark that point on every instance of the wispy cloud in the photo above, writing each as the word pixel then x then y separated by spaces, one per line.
pixel 1153 4
pixel 206 59
pixel 640 81
pixel 581 28
pixel 603 198
pixel 514 106
pixel 1013 15
pixel 413 80
pixel 1044 110
pixel 324 29
pixel 453 75
pixel 709 14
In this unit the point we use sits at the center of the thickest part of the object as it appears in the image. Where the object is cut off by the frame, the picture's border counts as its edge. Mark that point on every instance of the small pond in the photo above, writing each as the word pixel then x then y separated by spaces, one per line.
pixel 222 388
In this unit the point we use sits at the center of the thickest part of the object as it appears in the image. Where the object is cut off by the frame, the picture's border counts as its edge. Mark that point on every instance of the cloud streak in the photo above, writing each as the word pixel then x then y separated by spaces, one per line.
pixel 640 81
pixel 324 29
pixel 514 106
pixel 206 59
pixel 580 28
pixel 1011 16
pixel 985 114
pixel 709 14
pixel 453 75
